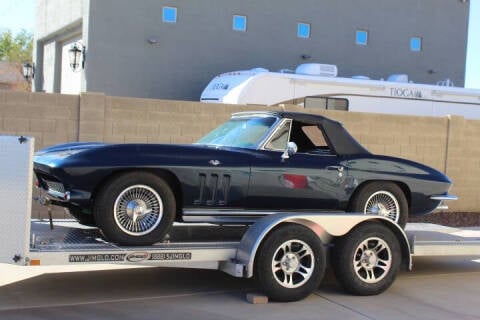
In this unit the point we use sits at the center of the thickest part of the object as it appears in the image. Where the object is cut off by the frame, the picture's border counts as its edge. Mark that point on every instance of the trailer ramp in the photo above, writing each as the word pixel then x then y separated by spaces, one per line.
pixel 436 240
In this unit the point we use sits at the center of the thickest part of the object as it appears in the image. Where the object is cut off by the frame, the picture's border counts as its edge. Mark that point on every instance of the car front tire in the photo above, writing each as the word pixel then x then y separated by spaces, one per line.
pixel 136 208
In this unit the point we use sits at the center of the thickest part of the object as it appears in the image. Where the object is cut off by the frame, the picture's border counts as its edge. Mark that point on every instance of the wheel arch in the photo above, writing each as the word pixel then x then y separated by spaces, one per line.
pixel 325 226
pixel 165 174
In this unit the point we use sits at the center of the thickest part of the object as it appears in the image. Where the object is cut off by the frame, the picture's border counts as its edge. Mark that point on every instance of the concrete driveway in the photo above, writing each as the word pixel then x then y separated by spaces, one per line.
pixel 438 288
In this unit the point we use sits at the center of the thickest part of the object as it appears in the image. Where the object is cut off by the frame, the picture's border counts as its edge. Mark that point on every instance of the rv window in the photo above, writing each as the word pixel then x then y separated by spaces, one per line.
pixel 326 103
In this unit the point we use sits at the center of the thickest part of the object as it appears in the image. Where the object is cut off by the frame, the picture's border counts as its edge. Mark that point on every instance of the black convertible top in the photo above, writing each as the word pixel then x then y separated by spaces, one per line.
pixel 340 140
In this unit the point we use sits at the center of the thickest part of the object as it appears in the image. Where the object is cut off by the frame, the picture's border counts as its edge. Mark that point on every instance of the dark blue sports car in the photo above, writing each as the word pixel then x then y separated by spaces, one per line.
pixel 255 164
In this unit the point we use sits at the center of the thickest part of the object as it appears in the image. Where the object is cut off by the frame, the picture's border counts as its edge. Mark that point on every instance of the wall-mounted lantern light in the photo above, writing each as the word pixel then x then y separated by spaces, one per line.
pixel 76 54
pixel 28 70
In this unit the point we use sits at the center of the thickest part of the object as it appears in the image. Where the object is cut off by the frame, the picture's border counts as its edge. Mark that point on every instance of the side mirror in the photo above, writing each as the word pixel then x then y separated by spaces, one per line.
pixel 290 150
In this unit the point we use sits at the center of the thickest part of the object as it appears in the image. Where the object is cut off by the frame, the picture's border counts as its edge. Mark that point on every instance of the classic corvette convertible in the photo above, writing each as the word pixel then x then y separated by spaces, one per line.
pixel 255 164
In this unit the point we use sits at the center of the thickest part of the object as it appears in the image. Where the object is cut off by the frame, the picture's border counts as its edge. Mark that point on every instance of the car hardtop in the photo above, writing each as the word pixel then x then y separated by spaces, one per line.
pixel 338 138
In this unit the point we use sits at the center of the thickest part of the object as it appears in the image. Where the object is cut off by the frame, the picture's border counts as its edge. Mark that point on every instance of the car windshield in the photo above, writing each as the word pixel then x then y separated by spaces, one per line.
pixel 239 132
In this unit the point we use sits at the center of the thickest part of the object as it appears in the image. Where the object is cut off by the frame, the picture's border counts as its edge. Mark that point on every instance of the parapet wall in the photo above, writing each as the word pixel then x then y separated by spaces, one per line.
pixel 449 144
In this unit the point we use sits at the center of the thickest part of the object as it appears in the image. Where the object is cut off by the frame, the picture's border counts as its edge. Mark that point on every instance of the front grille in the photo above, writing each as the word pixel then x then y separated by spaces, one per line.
pixel 54 186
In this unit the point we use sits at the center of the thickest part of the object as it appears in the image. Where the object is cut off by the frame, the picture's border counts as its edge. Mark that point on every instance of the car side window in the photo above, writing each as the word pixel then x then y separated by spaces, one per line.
pixel 315 135
pixel 309 139
pixel 280 138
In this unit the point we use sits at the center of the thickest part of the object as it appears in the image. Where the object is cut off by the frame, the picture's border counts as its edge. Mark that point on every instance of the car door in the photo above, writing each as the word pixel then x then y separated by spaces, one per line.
pixel 303 181
pixel 309 179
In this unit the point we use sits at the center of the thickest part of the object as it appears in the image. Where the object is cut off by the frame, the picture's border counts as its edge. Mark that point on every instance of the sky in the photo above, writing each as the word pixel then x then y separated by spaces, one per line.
pixel 20 14
pixel 472 76
pixel 17 15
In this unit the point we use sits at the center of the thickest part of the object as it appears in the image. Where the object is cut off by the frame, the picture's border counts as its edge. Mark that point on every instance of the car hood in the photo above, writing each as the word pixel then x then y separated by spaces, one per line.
pixel 86 154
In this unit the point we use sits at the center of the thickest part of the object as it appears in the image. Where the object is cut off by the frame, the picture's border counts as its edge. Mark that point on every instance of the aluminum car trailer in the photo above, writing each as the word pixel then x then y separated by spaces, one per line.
pixel 286 253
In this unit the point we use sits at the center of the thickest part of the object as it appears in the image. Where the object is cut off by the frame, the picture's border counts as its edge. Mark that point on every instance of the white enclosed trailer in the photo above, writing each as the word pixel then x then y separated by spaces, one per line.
pixel 286 253
pixel 317 86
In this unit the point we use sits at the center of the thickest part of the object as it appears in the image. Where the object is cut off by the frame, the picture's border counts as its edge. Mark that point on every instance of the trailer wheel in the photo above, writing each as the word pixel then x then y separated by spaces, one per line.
pixel 367 260
pixel 136 208
pixel 290 263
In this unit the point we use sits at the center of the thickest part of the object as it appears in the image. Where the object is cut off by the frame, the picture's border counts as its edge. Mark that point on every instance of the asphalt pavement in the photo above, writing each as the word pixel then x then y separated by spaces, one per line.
pixel 437 288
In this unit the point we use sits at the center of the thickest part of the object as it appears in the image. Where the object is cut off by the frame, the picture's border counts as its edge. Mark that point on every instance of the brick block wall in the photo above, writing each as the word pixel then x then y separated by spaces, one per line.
pixel 449 144
pixel 50 118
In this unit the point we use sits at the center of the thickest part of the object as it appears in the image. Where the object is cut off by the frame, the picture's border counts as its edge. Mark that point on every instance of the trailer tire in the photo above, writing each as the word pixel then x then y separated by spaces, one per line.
pixel 290 263
pixel 366 260
pixel 135 208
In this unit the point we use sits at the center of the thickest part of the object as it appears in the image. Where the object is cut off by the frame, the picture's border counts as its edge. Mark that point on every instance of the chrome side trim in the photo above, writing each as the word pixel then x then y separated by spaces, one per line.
pixel 246 212
pixel 224 216
pixel 255 114
pixel 222 220
pixel 443 197
pixel 228 216
pixel 226 212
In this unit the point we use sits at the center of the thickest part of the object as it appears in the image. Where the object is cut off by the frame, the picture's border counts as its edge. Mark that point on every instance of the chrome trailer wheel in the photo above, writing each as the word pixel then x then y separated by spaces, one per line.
pixel 293 264
pixel 290 263
pixel 367 259
pixel 372 260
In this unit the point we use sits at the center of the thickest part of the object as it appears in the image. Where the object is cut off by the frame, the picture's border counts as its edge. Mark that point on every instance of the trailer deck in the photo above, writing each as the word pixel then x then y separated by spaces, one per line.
pixel 191 246
pixel 69 236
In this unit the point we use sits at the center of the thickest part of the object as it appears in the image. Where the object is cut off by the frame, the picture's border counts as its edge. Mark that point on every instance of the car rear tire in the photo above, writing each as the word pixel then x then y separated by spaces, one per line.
pixel 136 208
pixel 382 198
pixel 366 261
pixel 290 263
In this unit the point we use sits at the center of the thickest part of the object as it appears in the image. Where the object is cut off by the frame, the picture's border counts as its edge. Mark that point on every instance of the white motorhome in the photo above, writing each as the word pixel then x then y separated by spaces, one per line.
pixel 317 86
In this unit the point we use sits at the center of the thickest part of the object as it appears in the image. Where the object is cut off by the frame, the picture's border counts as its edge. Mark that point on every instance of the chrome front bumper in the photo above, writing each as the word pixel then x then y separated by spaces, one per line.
pixel 442 198
pixel 47 197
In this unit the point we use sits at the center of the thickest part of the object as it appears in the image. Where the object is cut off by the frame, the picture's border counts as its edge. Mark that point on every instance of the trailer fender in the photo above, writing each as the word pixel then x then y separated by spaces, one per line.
pixel 326 226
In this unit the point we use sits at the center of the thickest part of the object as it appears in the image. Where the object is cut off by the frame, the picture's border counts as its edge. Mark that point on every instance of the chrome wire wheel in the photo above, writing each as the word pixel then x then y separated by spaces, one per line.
pixel 372 260
pixel 293 264
pixel 138 210
pixel 383 203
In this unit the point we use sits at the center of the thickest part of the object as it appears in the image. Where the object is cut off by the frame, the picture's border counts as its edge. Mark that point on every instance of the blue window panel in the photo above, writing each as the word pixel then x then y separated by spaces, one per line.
pixel 169 14
pixel 415 44
pixel 239 23
pixel 303 30
pixel 361 37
